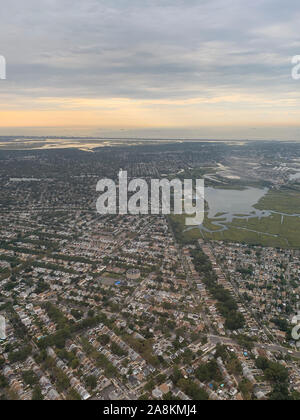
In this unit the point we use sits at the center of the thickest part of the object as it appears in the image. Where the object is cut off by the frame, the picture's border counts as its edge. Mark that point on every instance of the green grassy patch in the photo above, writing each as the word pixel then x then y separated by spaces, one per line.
pixel 284 201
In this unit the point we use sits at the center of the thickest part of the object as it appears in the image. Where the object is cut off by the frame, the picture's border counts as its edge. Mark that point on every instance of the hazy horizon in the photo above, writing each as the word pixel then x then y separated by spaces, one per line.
pixel 218 134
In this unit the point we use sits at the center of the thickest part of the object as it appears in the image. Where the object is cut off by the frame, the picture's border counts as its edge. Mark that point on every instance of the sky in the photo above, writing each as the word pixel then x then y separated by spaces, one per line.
pixel 150 68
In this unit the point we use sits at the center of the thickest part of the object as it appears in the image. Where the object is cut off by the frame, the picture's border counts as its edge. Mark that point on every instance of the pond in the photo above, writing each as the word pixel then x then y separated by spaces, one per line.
pixel 226 205
pixel 231 202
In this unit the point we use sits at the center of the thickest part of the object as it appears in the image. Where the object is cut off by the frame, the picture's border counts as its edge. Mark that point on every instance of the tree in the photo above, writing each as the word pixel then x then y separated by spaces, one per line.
pixel 276 373
pixel 177 375
pixel 246 388
pixel 91 381
pixel 104 339
pixel 262 363
pixel 73 395
pixel 280 393
pixel 221 351
pixel 273 371
pixel 3 382
pixel 245 341
pixel 37 394
pixel 29 377
pixel 192 390
pixel 208 372
pixel 20 355
pixel 234 366
pixel 117 350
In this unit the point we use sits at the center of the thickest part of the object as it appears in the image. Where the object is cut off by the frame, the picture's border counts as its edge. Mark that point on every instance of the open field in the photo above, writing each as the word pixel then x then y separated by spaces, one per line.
pixel 265 232
pixel 285 201
pixel 273 231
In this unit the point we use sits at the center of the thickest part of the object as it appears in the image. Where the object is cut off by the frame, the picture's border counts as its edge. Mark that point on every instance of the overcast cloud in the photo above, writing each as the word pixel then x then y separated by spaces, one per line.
pixel 149 48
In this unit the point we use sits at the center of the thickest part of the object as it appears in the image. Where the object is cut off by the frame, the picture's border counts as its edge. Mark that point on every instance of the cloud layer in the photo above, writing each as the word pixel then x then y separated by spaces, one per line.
pixel 205 57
